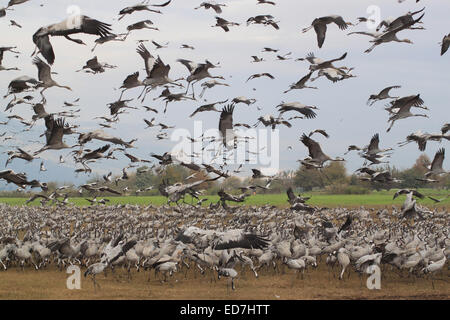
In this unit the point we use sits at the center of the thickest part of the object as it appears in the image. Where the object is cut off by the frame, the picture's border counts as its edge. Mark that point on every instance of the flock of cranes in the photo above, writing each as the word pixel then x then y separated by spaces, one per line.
pixel 227 242
pixel 216 246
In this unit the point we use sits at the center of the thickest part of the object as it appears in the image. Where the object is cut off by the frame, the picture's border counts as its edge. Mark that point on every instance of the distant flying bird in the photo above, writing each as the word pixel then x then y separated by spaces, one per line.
pixel 212 5
pixel 257 59
pixel 322 132
pixel 159 46
pixel 320 26
pixel 305 110
pixel 96 67
pixel 186 46
pixel 258 75
pixel 224 24
pixel 243 100
pixel 144 24
pixel 384 94
pixel 445 44
pixel 301 84
pixel 14 24
pixel 141 7
pixel 266 49
pixel 21 84
pixel 270 120
pixel 207 107
pixel 265 2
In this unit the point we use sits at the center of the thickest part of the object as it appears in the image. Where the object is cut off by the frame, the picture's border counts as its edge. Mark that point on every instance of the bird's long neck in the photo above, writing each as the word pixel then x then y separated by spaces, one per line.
pixel 64 87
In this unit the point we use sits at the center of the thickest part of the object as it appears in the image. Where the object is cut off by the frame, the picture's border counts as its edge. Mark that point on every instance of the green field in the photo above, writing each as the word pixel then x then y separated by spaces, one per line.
pixel 381 198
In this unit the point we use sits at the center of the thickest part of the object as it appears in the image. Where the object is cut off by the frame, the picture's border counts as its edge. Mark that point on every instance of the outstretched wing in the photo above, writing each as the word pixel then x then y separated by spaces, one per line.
pixel 321 30
pixel 438 159
pixel 44 46
pixel 226 121
pixel 92 26
pixel 385 91
pixel 44 71
pixel 238 239
pixel 313 147
pixel 149 60
pixel 57 132
pixel 374 142
pixel 290 194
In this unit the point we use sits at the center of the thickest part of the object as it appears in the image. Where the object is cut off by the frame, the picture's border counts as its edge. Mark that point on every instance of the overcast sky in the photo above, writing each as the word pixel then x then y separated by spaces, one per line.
pixel 343 112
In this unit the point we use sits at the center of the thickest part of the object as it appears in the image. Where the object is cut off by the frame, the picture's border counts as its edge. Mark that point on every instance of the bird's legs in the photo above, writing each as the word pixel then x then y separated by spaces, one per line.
pixel 74 40
pixel 203 91
pixel 121 94
pixel 187 87
pixel 371 48
pixel 389 129
pixel 147 90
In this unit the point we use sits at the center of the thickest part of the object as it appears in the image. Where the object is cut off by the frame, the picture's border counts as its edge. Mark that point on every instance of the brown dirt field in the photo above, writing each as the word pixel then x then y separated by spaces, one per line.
pixel 317 284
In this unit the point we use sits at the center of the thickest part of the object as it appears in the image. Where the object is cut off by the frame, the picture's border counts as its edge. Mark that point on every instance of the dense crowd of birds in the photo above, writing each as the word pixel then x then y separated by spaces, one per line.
pixel 255 237
pixel 223 242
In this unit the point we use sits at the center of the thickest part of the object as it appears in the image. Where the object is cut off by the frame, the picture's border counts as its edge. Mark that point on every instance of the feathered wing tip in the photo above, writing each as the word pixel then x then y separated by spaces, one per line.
pixel 228 109
pixel 92 26
pixel 117 240
pixel 304 138
pixel 257 242
pixel 127 246
pixel 249 241
pixel 37 60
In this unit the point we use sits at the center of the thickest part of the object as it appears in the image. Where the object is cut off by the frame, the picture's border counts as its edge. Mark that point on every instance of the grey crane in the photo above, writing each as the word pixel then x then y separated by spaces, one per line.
pixel 316 155
pixel 207 107
pixel 436 167
pixel 391 36
pixel 305 110
pixel 402 21
pixel 210 84
pixel 421 138
pixel 198 71
pixel 384 94
pixel 224 24
pixel 66 28
pixel 144 24
pixel 157 71
pixel 320 26
pixel 226 124
pixel 403 107
pixel 141 7
pixel 21 84
pixel 45 76
pixel 211 5
pixel 95 66
pixel 301 84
